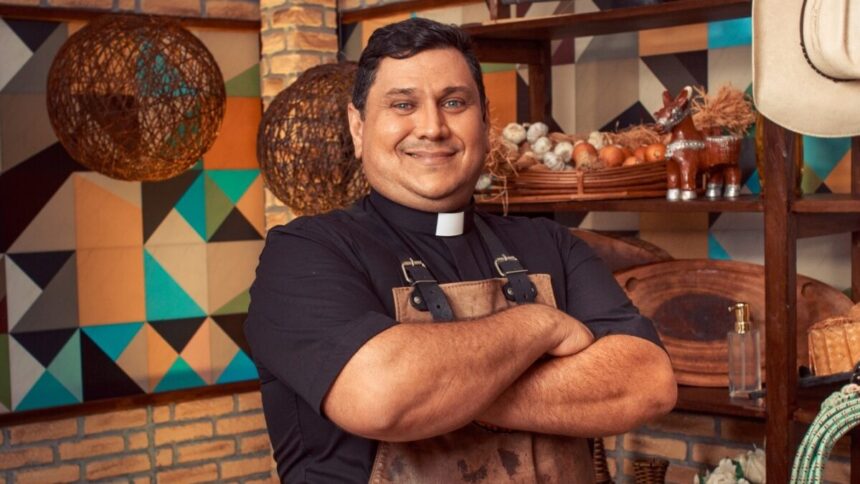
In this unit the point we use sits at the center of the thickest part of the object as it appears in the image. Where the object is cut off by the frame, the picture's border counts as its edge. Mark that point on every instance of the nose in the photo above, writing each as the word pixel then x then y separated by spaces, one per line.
pixel 430 123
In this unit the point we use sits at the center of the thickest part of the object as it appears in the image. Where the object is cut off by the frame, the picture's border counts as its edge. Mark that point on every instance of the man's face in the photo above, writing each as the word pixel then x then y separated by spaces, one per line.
pixel 423 137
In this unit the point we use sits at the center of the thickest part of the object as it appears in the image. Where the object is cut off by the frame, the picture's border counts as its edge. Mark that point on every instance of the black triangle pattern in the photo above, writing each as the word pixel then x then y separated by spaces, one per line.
pixel 235 227
pixel 41 267
pixel 44 345
pixel 635 114
pixel 158 198
pixel 177 332
pixel 233 325
pixel 32 33
pixel 675 71
pixel 102 378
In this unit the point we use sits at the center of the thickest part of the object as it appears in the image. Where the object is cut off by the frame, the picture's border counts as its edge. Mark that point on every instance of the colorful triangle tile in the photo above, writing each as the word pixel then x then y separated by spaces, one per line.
pixel 41 267
pixel 102 377
pixel 821 155
pixel 178 332
pixel 174 229
pixel 222 349
pixel 235 227
pixel 66 367
pixel 53 228
pixel 113 338
pixel 44 345
pixel 179 376
pixel 246 84
pixel 47 392
pixel 240 369
pixel 165 299
pixel 33 76
pixel 192 206
pixel 234 183
pixel 218 206
pixel 5 372
pixel 754 183
pixel 57 306
pixel 233 325
pixel 186 264
pixel 716 250
pixel 238 305
pixel 810 181
pixel 24 371
pixel 198 352
pixel 729 33
pixel 32 32
pixel 21 292
pixel 159 198
pixel 134 360
pixel 839 179
pixel 16 53
pixel 252 204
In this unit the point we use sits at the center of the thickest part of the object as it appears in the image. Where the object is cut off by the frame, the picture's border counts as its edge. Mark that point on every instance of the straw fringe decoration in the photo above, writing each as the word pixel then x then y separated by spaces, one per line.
pixel 135 97
pixel 304 146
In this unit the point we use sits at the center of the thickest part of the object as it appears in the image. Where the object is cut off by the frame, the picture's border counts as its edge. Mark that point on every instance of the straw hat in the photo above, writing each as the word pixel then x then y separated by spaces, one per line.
pixel 806 64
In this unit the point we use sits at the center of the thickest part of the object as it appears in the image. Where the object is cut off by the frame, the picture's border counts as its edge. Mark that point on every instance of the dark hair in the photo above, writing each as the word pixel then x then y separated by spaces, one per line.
pixel 404 39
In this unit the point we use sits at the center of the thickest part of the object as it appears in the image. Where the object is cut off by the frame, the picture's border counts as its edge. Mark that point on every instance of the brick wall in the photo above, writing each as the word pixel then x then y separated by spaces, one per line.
pixel 216 9
pixel 222 438
pixel 693 443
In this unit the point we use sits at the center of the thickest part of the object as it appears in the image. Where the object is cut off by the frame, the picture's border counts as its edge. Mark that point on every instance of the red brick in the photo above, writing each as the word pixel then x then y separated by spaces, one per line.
pixel 301 40
pixel 189 8
pixel 161 414
pixel 272 41
pixel 125 465
pixel 293 63
pixel 189 475
pixel 210 407
pixel 297 16
pixel 53 430
pixel 141 480
pixel 254 443
pixel 21 2
pixel 115 421
pixel 92 447
pixel 678 474
pixel 180 433
pixel 90 4
pixel 330 18
pixel 609 442
pixel 739 430
pixel 62 473
pixel 612 466
pixel 712 454
pixel 240 425
pixel 12 459
pixel 249 401
pixel 206 450
pixel 324 3
pixel 685 423
pixel 246 467
pixel 164 457
pixel 232 9
pixel 138 440
pixel 272 86
pixel 656 446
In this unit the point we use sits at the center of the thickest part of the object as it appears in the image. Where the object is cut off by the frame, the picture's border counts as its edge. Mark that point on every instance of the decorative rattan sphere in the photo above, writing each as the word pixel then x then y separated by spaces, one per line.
pixel 304 146
pixel 135 97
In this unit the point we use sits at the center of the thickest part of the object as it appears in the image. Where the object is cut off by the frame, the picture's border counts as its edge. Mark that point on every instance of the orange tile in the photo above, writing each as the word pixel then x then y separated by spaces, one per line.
pixel 105 218
pixel 501 89
pixel 110 285
pixel 251 205
pixel 197 353
pixel 161 356
pixel 685 38
pixel 236 144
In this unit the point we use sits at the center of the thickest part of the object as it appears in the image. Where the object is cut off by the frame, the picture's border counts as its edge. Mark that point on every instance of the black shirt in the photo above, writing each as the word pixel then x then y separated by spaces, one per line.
pixel 323 289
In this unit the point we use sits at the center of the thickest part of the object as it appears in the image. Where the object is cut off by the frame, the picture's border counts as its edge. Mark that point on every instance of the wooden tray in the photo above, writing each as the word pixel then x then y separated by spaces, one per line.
pixel 688 301
pixel 621 253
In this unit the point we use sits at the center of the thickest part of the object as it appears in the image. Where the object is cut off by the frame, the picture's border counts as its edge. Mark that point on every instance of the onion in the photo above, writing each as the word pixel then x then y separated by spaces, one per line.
pixel 655 152
pixel 611 156
pixel 584 155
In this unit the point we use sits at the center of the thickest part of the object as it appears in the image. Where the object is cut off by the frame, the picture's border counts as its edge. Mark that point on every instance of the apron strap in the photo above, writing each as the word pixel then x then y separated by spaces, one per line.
pixel 519 287
pixel 426 294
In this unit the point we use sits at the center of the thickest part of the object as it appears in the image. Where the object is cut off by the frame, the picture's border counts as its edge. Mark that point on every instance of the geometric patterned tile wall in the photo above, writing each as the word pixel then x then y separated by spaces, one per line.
pixel 111 288
pixel 612 81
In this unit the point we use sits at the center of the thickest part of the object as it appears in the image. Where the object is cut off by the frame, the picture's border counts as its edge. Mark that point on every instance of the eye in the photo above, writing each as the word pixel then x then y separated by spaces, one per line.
pixel 402 106
pixel 454 104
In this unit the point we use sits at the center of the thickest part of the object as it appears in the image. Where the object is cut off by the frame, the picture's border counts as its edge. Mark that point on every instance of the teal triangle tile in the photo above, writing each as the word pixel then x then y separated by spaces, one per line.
pixel 46 392
pixel 5 375
pixel 821 155
pixel 57 306
pixel 32 32
pixel 241 368
pixel 235 227
pixel 66 366
pixel 234 183
pixel 159 198
pixel 44 345
pixel 165 299
pixel 113 339
pixel 102 377
pixel 33 77
pixel 716 250
pixel 41 267
pixel 754 183
pixel 179 376
pixel 192 206
pixel 177 332
pixel 729 33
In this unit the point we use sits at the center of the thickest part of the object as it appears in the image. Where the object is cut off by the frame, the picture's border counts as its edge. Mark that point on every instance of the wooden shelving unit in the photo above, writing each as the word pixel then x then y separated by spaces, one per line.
pixel 786 217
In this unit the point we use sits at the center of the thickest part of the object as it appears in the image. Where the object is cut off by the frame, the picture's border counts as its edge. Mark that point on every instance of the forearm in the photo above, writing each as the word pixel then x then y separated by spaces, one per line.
pixel 414 381
pixel 614 385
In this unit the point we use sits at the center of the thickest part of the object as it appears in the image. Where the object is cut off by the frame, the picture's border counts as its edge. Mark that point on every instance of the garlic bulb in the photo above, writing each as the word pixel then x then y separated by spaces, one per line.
pixel 553 161
pixel 596 139
pixel 541 145
pixel 515 133
pixel 484 182
pixel 564 150
pixel 536 131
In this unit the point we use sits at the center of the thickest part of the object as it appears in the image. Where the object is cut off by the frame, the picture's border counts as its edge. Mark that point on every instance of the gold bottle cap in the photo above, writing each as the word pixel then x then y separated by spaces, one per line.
pixel 741 310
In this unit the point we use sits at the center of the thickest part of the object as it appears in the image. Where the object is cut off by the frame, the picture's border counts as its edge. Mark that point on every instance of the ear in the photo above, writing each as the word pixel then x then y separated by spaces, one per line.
pixel 667 98
pixel 356 128
pixel 685 94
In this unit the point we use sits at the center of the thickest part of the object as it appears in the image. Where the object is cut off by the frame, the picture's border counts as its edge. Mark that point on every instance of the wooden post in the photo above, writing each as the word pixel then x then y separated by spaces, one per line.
pixel 855 289
pixel 540 86
pixel 780 300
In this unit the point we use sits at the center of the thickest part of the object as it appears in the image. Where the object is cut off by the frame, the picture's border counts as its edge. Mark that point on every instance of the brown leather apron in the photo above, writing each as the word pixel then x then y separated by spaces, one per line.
pixel 474 454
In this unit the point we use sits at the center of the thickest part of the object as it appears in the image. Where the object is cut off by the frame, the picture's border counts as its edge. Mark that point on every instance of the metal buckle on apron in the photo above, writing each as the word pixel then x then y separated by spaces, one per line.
pixel 519 287
pixel 426 294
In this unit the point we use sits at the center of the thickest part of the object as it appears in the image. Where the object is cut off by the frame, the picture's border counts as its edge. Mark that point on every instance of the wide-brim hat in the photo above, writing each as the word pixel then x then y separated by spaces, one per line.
pixel 806 64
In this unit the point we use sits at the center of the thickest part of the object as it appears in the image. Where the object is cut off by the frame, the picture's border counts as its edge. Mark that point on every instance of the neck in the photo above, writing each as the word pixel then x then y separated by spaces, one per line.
pixel 685 129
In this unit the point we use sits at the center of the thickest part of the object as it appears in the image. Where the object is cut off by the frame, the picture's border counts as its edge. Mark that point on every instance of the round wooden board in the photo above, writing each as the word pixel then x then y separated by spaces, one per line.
pixel 621 253
pixel 688 301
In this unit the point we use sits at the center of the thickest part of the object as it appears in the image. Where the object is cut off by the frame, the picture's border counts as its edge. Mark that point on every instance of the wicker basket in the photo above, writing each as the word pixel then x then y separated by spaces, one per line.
pixel 601 468
pixel 650 471
pixel 834 344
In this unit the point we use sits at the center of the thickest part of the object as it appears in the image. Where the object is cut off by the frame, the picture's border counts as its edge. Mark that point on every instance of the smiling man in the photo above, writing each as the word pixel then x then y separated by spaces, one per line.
pixel 412 338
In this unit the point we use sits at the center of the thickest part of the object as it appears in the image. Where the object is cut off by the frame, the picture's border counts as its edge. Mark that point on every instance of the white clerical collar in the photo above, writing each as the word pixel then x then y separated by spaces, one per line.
pixel 449 224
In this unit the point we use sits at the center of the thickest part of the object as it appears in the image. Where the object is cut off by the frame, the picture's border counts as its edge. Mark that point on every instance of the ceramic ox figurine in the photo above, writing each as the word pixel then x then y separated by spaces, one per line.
pixel 691 155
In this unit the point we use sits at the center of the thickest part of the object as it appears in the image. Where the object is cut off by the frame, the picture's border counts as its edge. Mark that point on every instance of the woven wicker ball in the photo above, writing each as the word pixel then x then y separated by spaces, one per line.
pixel 135 97
pixel 304 146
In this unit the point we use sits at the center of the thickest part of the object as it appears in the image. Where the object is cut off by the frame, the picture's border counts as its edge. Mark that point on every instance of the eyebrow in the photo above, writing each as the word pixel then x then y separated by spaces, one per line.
pixel 408 91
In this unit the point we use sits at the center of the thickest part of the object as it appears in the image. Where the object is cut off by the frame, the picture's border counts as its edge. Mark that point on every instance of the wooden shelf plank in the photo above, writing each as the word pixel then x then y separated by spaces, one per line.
pixel 716 401
pixel 827 203
pixel 407 6
pixel 745 203
pixel 668 14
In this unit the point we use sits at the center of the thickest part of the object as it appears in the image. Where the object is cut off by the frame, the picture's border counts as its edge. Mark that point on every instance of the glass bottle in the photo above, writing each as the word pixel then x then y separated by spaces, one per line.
pixel 744 354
